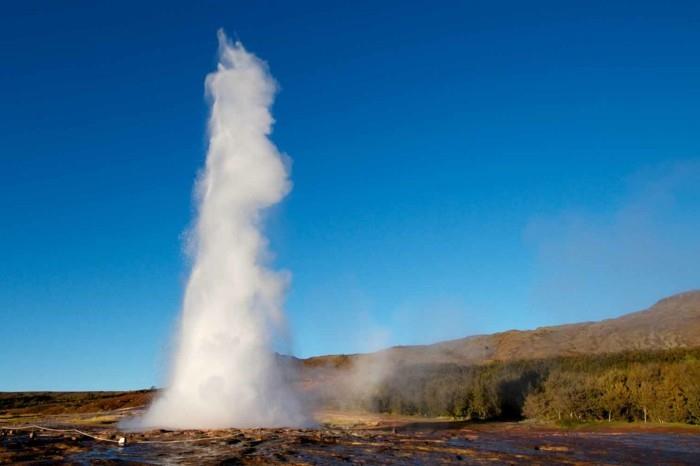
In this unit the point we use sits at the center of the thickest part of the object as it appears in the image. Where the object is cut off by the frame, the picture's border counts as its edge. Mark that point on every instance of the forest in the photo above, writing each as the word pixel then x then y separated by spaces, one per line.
pixel 647 386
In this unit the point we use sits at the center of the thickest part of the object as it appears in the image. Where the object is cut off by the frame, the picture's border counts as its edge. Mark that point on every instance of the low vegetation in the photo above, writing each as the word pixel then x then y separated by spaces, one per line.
pixel 660 386
pixel 648 386
pixel 14 403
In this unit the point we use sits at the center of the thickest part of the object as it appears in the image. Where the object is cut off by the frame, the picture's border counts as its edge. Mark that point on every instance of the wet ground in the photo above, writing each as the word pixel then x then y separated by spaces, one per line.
pixel 364 439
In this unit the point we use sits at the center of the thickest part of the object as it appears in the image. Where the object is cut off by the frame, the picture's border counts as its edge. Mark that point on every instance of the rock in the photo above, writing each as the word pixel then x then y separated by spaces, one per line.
pixel 551 448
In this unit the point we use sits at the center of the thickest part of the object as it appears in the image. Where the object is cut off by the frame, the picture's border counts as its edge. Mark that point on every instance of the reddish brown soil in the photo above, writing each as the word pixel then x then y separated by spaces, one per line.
pixel 15 403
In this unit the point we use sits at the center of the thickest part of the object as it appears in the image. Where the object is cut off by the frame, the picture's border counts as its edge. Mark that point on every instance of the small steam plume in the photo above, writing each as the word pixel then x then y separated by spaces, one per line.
pixel 225 372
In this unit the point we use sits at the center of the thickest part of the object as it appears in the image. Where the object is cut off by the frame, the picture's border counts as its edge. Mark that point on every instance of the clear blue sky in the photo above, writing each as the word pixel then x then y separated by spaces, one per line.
pixel 459 168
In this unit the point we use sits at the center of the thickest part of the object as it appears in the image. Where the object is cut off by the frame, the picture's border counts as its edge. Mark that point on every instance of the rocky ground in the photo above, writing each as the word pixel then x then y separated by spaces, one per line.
pixel 343 439
pixel 84 429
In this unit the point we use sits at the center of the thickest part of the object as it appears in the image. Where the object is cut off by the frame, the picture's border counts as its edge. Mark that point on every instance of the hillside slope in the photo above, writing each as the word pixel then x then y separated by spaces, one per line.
pixel 673 322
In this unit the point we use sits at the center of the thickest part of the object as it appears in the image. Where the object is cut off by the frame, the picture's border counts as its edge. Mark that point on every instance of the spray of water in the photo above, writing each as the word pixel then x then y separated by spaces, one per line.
pixel 225 372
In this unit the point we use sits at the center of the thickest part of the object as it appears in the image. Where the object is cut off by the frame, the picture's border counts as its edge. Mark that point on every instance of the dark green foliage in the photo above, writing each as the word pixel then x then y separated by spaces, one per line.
pixel 655 386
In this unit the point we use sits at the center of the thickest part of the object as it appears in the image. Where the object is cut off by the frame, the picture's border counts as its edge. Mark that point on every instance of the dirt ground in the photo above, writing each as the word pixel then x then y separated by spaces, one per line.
pixel 340 438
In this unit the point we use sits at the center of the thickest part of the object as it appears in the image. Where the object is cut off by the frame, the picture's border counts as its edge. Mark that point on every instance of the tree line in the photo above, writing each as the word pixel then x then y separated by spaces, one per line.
pixel 648 386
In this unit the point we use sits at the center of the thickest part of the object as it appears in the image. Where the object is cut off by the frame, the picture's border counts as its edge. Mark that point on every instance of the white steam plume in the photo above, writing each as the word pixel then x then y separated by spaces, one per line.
pixel 225 372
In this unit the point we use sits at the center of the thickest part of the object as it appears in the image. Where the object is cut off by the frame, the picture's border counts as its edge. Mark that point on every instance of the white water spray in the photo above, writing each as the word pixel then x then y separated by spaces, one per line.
pixel 225 372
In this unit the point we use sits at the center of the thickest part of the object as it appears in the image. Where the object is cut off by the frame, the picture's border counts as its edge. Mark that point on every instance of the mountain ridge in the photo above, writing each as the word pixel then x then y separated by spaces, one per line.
pixel 672 322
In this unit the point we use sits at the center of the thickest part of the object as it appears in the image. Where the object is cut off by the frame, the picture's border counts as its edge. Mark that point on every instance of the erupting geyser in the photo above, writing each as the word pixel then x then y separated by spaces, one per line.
pixel 225 372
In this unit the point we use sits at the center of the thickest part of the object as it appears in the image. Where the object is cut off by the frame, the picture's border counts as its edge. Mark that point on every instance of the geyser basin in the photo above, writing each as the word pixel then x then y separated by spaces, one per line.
pixel 224 371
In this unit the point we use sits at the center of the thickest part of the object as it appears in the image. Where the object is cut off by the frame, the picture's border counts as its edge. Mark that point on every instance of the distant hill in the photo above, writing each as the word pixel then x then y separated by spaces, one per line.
pixel 673 322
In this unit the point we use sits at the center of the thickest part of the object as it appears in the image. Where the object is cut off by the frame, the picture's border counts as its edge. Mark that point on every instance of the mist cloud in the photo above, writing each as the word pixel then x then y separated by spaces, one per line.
pixel 590 266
